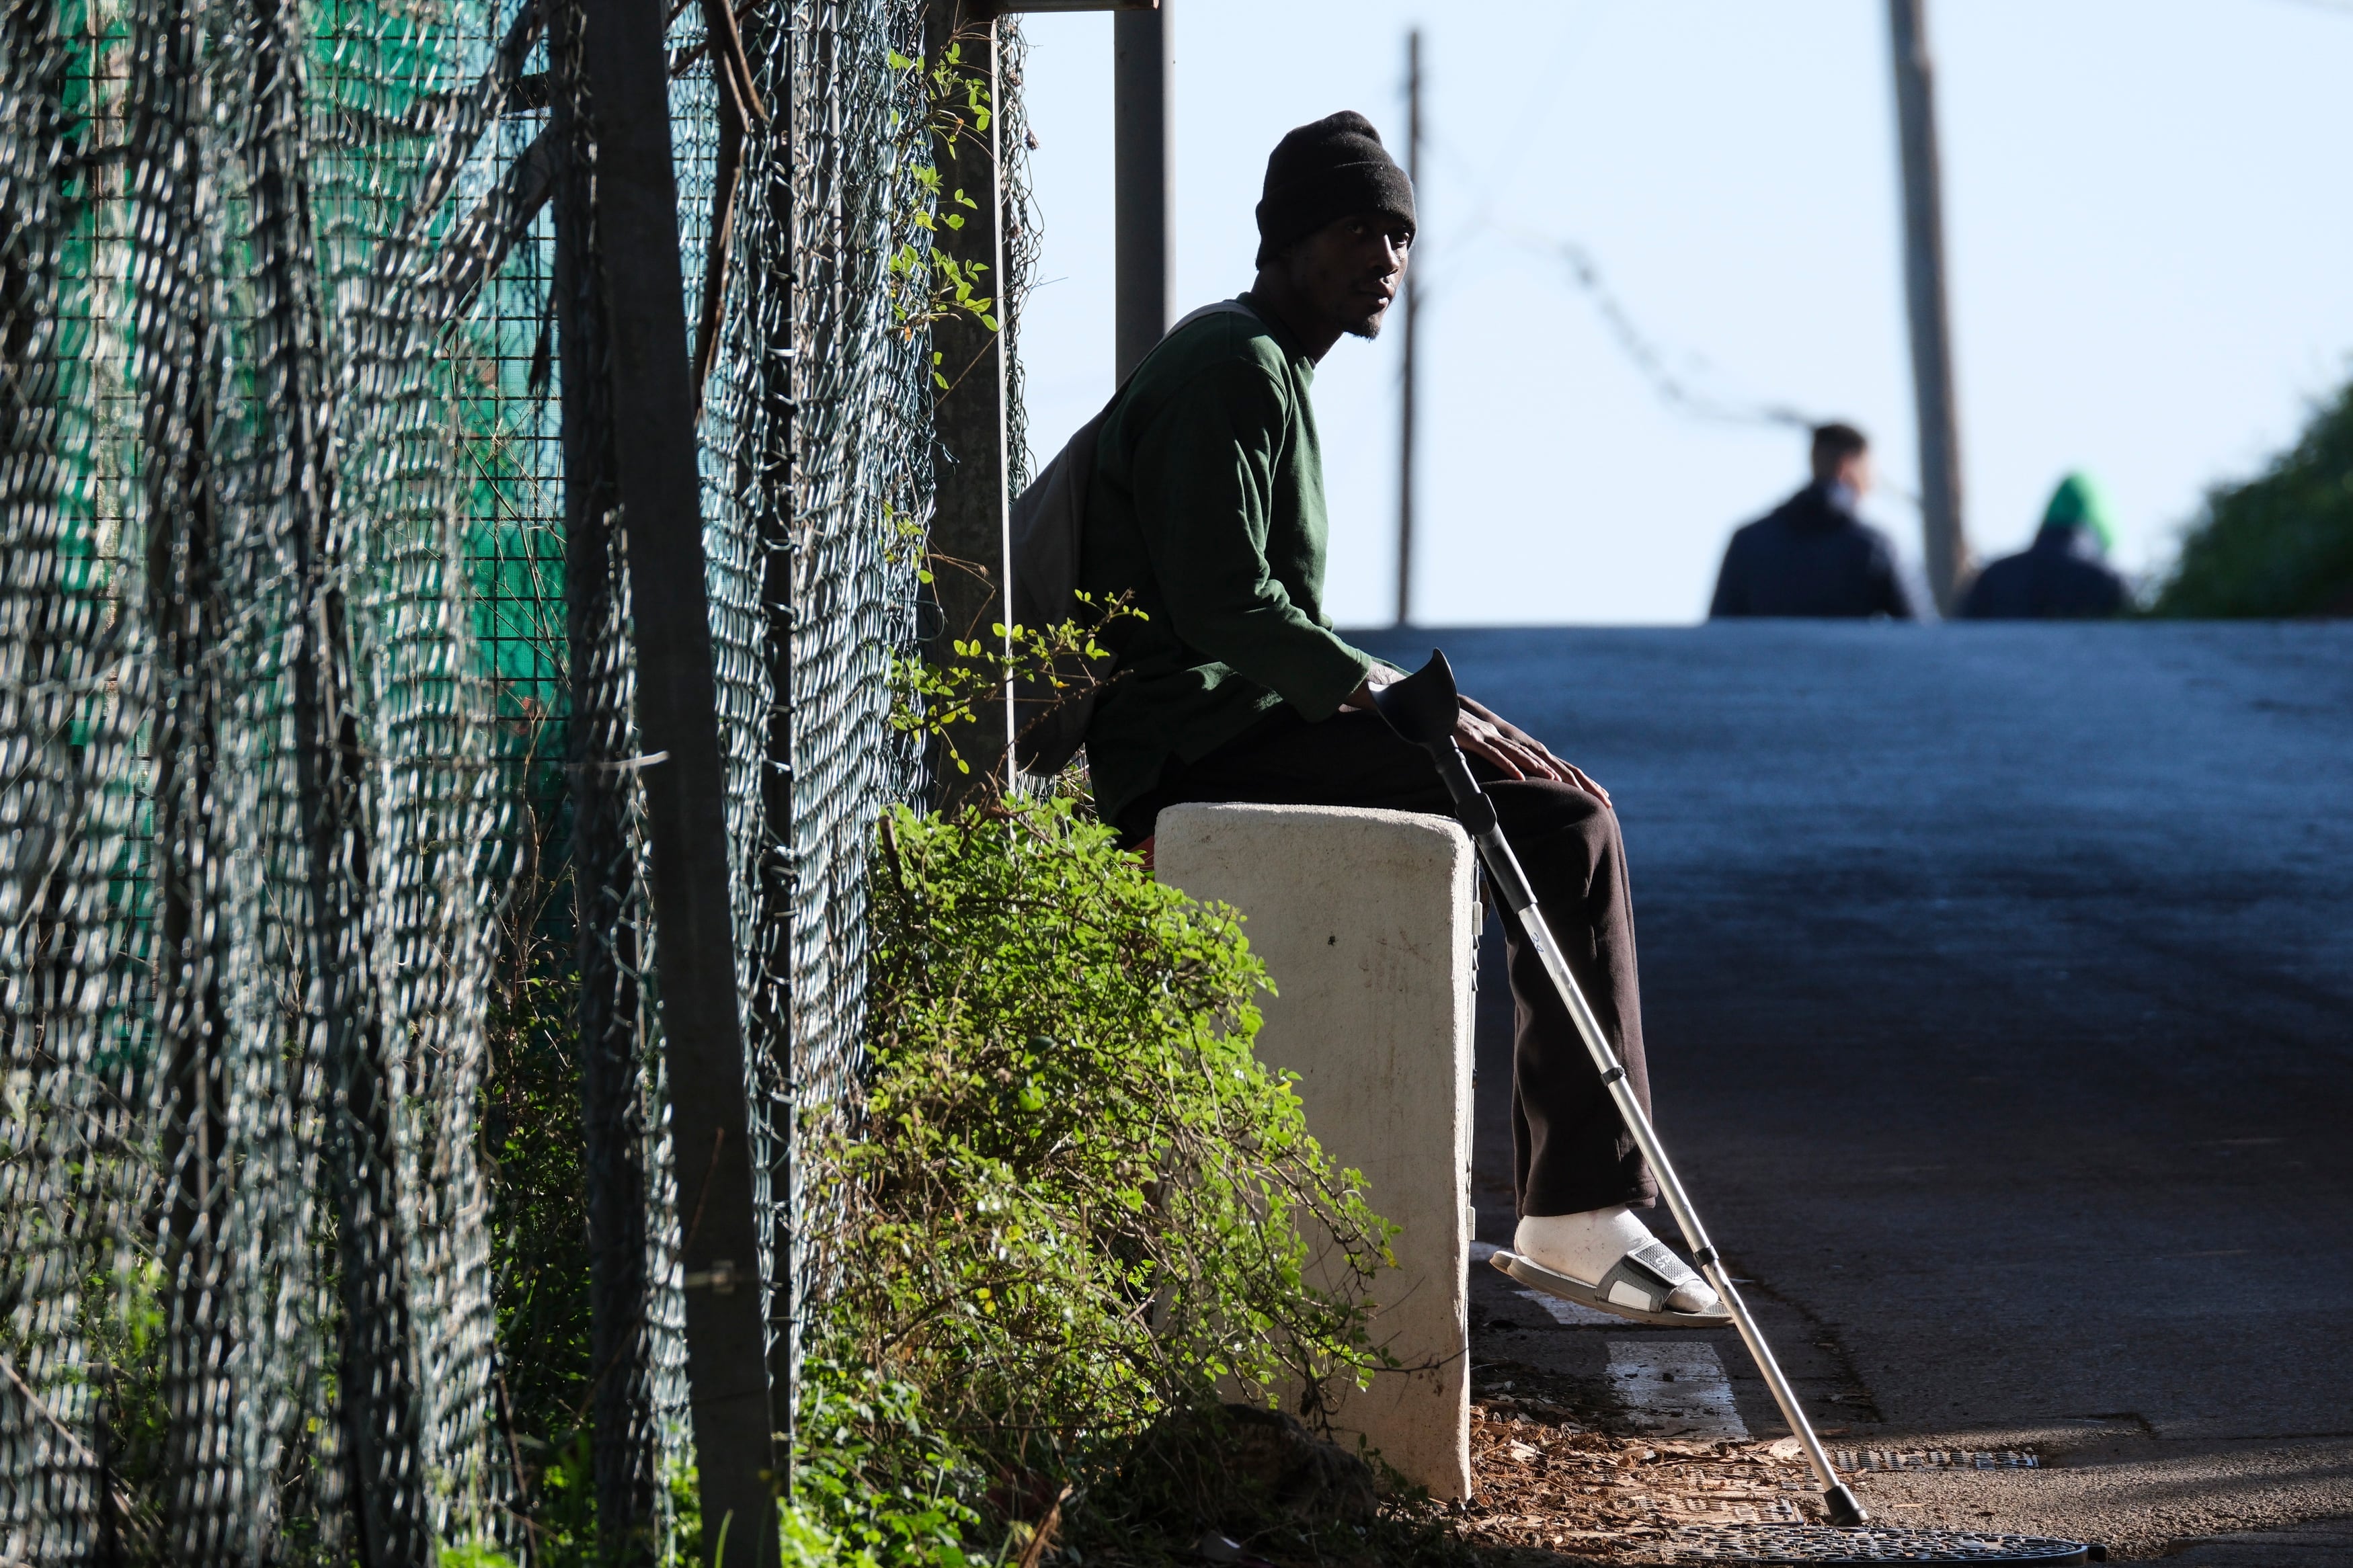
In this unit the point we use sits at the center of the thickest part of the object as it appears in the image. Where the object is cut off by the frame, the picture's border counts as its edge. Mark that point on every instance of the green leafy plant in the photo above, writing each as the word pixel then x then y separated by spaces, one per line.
pixel 926 286
pixel 2280 544
pixel 938 700
pixel 872 1481
pixel 533 1153
pixel 1074 1203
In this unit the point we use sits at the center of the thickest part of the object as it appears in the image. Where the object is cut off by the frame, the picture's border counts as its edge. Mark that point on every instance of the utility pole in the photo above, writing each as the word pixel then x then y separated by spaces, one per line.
pixel 1946 545
pixel 1411 372
pixel 1140 183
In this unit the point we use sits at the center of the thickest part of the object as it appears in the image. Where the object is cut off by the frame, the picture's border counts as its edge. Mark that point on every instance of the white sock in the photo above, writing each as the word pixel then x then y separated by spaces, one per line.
pixel 1584 1246
pixel 1581 1246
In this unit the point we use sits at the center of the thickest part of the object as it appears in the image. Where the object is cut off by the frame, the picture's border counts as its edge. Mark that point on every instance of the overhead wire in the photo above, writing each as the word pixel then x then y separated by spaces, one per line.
pixel 1640 347
pixel 1644 353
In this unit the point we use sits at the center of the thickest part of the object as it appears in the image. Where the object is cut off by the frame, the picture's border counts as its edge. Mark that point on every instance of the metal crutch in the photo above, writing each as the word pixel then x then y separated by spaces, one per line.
pixel 1423 709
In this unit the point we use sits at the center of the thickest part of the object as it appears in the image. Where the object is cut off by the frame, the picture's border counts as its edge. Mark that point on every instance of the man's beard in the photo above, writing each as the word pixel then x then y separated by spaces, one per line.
pixel 1369 329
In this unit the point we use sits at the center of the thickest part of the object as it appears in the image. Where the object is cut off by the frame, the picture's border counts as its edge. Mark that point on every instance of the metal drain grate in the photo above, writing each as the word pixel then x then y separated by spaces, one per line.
pixel 1931 1459
pixel 1816 1543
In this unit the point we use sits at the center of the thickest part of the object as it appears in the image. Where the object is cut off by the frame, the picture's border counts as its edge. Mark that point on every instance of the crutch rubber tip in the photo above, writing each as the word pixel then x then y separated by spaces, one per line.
pixel 1844 1509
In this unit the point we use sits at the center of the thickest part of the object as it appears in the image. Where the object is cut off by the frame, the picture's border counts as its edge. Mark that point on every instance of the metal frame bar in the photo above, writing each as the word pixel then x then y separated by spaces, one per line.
pixel 1506 868
pixel 1139 216
pixel 1422 709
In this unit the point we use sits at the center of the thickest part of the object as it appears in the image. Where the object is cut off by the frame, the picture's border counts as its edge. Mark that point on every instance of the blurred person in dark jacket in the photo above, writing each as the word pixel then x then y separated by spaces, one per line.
pixel 1811 555
pixel 2063 575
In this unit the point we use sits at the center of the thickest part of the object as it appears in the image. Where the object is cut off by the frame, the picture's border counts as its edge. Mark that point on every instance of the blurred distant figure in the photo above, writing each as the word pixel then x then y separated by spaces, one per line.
pixel 2063 575
pixel 1811 555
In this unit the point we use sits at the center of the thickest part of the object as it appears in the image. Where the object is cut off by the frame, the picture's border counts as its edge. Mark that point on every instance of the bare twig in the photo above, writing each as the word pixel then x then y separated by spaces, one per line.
pixel 1043 1537
pixel 726 175
pixel 479 248
pixel 473 110
pixel 81 1450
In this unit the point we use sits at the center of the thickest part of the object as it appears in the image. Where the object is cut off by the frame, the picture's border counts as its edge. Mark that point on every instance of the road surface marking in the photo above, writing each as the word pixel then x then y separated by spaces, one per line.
pixel 1574 1314
pixel 1675 1388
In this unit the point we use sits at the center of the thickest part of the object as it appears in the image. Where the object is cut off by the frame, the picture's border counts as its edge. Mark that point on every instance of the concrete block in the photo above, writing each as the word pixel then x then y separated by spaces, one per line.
pixel 1368 925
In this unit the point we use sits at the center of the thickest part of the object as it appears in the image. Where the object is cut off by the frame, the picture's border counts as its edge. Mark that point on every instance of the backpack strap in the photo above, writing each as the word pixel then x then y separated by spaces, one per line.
pixel 1216 308
pixel 1046 522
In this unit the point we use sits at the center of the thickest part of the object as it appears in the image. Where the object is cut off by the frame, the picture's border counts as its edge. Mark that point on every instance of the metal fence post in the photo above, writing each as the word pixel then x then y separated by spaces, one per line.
pixel 643 301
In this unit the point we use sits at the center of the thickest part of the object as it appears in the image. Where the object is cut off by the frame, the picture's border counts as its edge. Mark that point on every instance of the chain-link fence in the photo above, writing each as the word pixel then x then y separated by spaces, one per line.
pixel 317 758
pixel 1023 241
pixel 859 445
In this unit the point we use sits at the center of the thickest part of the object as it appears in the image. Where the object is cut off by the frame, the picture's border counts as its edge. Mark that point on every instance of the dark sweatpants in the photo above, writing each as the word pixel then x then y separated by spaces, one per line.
pixel 1570 1151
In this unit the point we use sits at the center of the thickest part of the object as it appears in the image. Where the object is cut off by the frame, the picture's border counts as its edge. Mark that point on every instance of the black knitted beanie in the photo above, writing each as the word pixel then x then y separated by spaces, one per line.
pixel 1333 169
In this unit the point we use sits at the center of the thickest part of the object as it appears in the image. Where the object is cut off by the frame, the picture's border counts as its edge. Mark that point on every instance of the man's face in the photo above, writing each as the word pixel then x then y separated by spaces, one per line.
pixel 1349 270
pixel 1854 472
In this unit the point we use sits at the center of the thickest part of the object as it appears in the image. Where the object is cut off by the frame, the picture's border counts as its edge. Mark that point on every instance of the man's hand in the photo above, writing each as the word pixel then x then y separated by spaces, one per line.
pixel 1513 750
pixel 1483 734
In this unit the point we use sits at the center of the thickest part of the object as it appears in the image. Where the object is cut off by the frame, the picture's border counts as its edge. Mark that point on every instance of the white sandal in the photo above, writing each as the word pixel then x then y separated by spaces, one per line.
pixel 1636 1287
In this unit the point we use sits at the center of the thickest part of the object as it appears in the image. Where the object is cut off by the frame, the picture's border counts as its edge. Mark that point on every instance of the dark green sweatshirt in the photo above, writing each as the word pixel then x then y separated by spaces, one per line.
pixel 1207 506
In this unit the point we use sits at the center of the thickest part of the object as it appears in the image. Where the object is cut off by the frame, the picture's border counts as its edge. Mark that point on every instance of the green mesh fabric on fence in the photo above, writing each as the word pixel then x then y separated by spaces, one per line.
pixel 298 658
pixel 250 906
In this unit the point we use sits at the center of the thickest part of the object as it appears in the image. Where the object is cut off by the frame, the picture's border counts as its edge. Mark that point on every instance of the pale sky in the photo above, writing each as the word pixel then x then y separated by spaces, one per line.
pixel 2146 206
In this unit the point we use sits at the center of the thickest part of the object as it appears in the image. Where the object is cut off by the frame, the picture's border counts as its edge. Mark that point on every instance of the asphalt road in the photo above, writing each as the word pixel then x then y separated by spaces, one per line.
pixel 1998 982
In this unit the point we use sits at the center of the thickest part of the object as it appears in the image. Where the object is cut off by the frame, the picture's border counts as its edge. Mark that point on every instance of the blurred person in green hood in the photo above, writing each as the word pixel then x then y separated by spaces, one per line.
pixel 2065 574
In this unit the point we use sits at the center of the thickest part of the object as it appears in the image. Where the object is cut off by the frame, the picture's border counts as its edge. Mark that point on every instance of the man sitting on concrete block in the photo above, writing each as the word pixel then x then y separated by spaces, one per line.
pixel 1207 508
